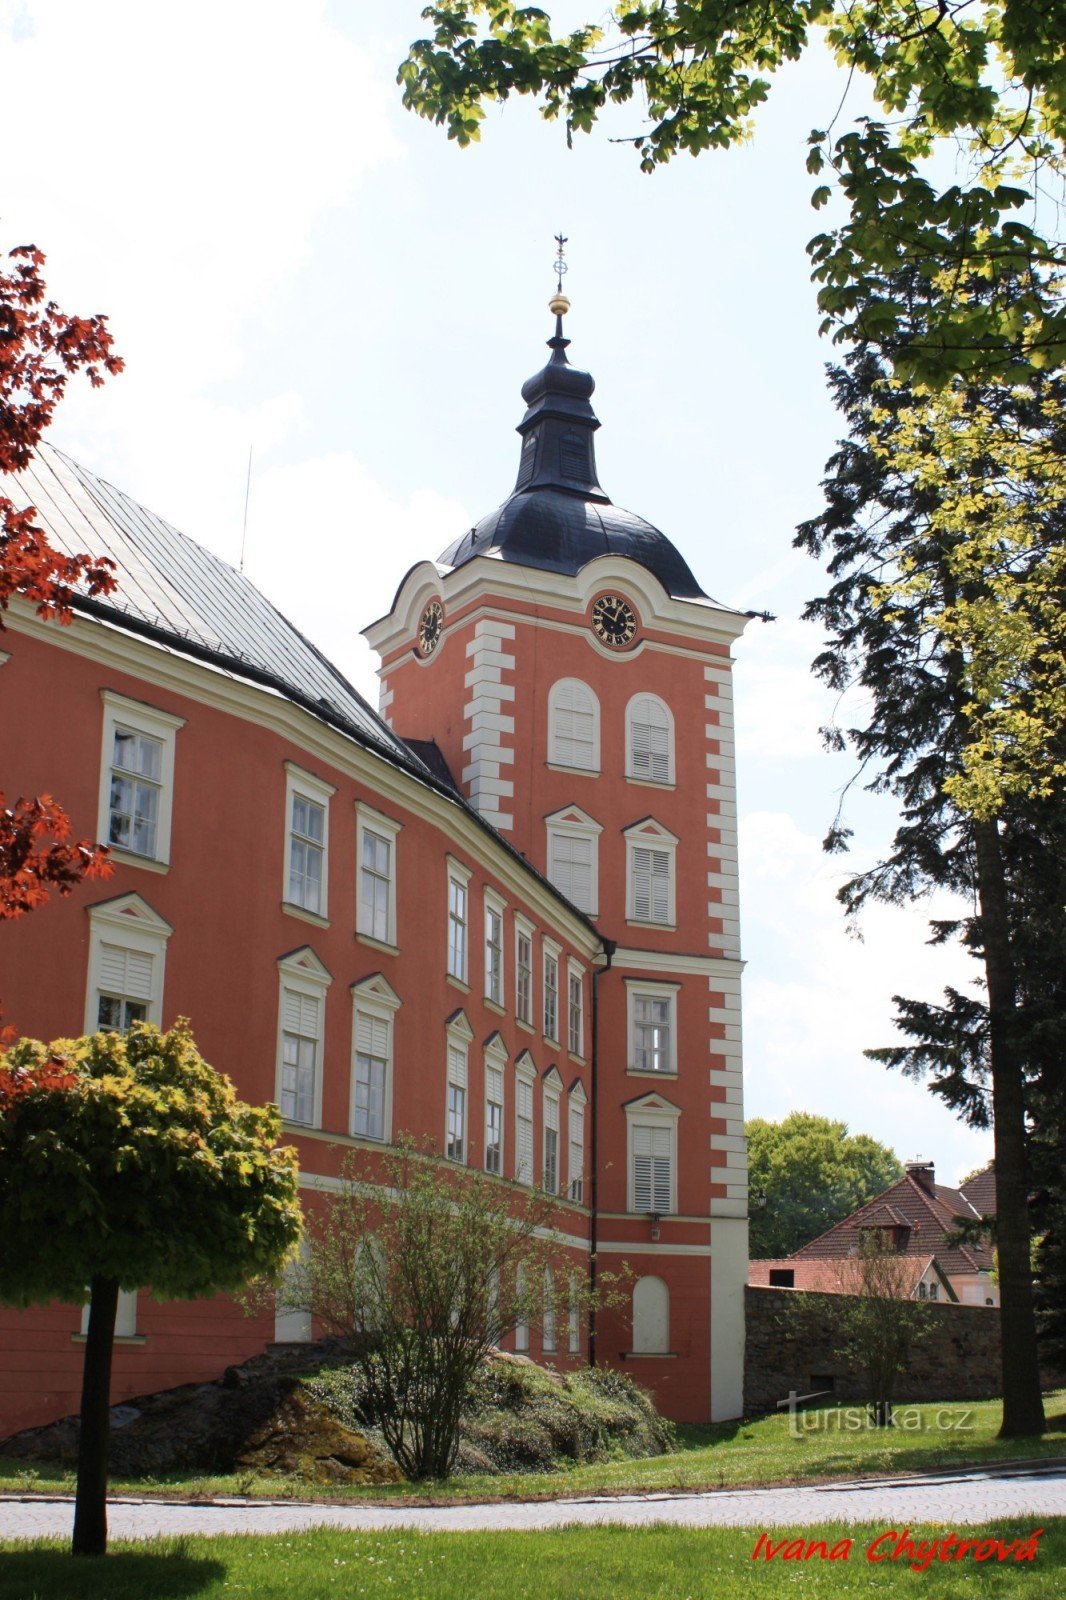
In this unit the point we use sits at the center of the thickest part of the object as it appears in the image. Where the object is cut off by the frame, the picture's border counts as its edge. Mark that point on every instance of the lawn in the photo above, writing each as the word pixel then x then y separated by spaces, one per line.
pixel 581 1563
pixel 727 1455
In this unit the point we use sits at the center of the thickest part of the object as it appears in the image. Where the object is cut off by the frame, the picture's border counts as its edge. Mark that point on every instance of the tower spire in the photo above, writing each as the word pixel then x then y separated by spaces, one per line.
pixel 558 303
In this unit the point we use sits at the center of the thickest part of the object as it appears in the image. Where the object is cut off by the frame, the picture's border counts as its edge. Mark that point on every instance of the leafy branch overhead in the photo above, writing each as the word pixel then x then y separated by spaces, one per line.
pixel 983 81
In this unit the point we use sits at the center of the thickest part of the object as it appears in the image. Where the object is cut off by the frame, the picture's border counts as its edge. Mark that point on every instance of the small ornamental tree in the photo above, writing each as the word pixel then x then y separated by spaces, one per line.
pixel 880 1322
pixel 41 347
pixel 433 1265
pixel 127 1162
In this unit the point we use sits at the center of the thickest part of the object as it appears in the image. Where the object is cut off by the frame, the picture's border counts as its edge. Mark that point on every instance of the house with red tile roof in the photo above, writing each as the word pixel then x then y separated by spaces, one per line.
pixel 919 1218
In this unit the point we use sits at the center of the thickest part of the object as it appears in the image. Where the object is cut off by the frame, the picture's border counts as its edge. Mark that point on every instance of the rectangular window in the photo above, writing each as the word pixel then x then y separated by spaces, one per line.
pixel 117 1016
pixel 576 1025
pixel 652 1033
pixel 575 1319
pixel 125 1315
pixel 494 954
pixel 375 887
pixel 307 853
pixel 136 788
pixel 457 929
pixel 524 976
pixel 570 867
pixel 652 1163
pixel 494 1120
pixel 523 1130
pixel 371 1075
pixel 577 1152
pixel 548 1324
pixel 551 996
pixel 551 1143
pixel 455 1133
pixel 521 1332
pixel 301 1032
pixel 124 988
pixel 651 895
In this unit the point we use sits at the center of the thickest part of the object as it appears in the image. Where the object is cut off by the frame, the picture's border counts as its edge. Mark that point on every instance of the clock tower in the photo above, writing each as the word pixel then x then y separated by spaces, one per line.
pixel 576 681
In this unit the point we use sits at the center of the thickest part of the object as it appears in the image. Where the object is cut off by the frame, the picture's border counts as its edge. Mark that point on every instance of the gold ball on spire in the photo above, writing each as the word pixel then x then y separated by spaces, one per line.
pixel 558 305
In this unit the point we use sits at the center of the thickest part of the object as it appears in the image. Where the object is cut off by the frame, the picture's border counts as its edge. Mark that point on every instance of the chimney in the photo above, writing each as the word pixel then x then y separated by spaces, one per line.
pixel 923 1172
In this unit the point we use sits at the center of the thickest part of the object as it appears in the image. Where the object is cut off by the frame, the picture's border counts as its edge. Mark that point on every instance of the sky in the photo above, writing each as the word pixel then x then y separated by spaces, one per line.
pixel 295 267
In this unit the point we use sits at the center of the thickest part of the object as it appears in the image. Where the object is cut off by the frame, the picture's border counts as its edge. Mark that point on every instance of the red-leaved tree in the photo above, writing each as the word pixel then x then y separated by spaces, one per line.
pixel 40 348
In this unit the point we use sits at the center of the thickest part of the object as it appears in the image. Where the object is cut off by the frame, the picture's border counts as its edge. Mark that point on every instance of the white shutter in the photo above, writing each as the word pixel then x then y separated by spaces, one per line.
pixel 574 726
pixel 651 885
pixel 523 1130
pixel 649 736
pixel 494 1085
pixel 551 1112
pixel 457 1066
pixel 300 1014
pixel 570 868
pixel 371 1036
pixel 127 973
pixel 651 1169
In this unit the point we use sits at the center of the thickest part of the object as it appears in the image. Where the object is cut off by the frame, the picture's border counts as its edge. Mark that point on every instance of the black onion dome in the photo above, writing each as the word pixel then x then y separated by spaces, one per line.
pixel 558 518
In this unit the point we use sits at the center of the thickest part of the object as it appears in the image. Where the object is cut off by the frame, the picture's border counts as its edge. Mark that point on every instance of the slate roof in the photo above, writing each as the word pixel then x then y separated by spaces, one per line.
pixel 171 585
pixel 928 1214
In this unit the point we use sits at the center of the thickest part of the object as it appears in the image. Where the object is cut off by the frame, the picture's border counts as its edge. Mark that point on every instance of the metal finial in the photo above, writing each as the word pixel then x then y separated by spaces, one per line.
pixel 559 304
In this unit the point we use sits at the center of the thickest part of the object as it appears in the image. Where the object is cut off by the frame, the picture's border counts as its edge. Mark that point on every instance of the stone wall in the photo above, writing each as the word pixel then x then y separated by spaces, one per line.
pixel 793 1343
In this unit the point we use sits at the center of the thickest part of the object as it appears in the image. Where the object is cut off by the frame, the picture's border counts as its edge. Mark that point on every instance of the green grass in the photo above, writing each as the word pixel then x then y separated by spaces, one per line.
pixel 723 1456
pixel 581 1563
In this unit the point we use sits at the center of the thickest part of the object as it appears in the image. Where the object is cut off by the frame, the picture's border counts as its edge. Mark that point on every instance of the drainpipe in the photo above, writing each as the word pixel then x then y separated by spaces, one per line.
pixel 609 947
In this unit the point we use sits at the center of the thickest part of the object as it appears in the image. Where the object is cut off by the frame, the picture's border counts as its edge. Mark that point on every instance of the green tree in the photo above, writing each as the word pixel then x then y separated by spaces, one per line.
pixel 879 1321
pixel 434 1265
pixel 813 1174
pixel 917 550
pixel 979 83
pixel 127 1162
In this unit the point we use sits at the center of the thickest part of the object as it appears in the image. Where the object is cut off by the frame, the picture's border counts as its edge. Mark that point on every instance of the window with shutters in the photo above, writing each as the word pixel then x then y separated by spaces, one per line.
pixel 652 1026
pixel 374 1007
pixel 523 999
pixel 304 983
pixel 649 740
pixel 575 1318
pixel 458 902
pixel 548 1320
pixel 576 1145
pixel 494 1069
pixel 137 780
pixel 575 1010
pixel 376 857
pixel 493 948
pixel 127 955
pixel 573 726
pixel 573 857
pixel 521 1332
pixel 459 1035
pixel 652 1162
pixel 306 880
pixel 650 874
pixel 524 1079
pixel 550 1176
pixel 551 993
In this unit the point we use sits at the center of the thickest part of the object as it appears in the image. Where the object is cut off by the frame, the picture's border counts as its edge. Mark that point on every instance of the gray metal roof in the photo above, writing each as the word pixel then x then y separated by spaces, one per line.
pixel 177 588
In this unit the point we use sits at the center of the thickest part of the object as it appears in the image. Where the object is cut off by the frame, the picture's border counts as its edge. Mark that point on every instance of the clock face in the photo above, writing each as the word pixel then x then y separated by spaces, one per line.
pixel 614 620
pixel 430 628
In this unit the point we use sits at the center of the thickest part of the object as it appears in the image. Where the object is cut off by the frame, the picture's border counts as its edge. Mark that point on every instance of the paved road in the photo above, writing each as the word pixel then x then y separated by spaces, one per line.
pixel 973 1497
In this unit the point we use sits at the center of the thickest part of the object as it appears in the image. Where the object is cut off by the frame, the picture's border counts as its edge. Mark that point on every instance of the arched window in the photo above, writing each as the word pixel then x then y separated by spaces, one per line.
pixel 649 740
pixel 573 726
pixel 651 1317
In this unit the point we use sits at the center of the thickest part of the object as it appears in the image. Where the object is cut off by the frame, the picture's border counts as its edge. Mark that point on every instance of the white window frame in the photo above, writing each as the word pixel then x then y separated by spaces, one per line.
pixel 575 1034
pixel 650 835
pixel 571 823
pixel 129 923
pixel 521 1331
pixel 525 1079
pixel 125 1316
pixel 309 787
pixel 374 998
pixel 523 930
pixel 575 1123
pixel 642 989
pixel 135 717
pixel 653 1113
pixel 458 1034
pixel 302 973
pixel 550 953
pixel 367 820
pixel 547 1326
pixel 574 1317
pixel 635 706
pixel 495 906
pixel 496 1069
pixel 561 746
pixel 459 876
pixel 551 1121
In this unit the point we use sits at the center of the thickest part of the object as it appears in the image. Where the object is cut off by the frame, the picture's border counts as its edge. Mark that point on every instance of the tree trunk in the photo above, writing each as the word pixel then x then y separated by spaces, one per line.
pixel 90 1508
pixel 1023 1407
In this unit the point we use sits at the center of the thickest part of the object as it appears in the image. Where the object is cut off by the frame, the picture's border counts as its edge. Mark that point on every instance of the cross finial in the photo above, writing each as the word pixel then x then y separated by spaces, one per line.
pixel 559 304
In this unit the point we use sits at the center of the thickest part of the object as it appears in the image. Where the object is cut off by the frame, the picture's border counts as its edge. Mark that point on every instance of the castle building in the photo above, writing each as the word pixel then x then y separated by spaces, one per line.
pixel 500 913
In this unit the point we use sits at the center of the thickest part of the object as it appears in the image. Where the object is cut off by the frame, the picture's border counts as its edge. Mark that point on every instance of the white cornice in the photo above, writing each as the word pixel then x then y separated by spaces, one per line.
pixel 666 961
pixel 111 647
